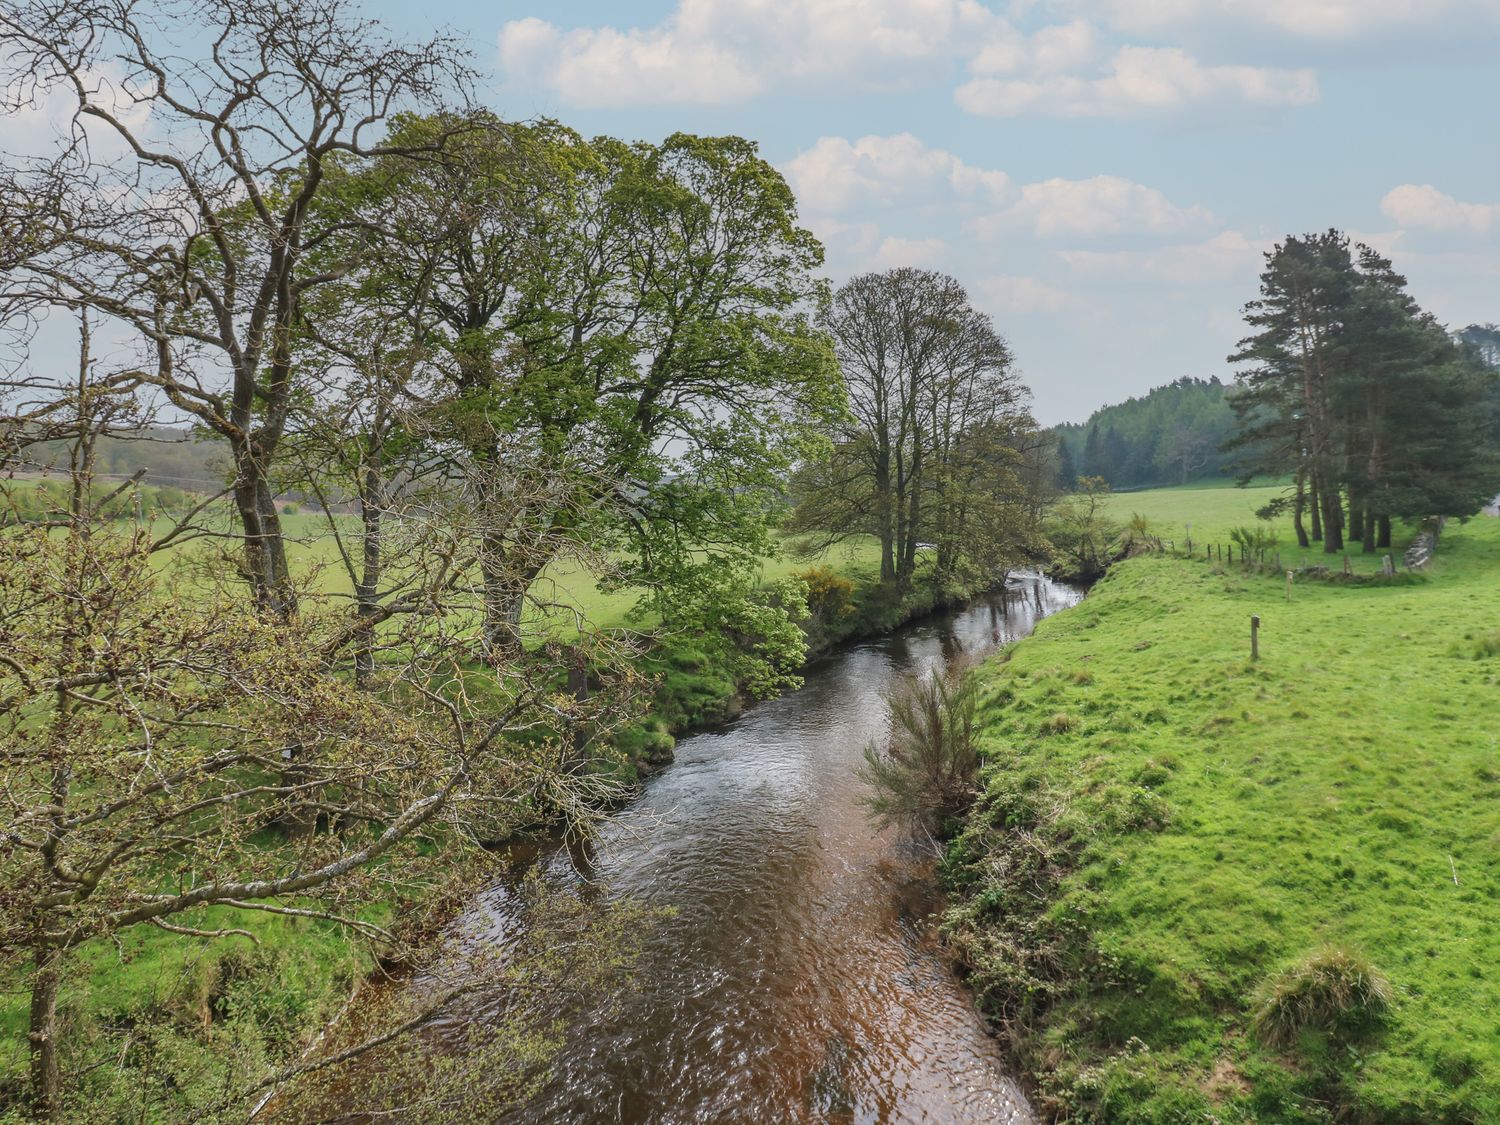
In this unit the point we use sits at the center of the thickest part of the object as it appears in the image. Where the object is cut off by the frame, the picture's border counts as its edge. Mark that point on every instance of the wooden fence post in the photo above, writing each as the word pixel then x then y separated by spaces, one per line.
pixel 1255 636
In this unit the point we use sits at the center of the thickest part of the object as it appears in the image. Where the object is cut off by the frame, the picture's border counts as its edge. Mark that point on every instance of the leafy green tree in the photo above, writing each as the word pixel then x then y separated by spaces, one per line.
pixel 630 323
pixel 1358 395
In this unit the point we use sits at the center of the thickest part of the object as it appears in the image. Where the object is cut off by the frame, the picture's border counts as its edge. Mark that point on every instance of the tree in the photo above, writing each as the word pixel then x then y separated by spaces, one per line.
pixel 151 742
pixel 1186 451
pixel 938 417
pixel 187 214
pixel 1359 395
pixel 633 320
pixel 1067 471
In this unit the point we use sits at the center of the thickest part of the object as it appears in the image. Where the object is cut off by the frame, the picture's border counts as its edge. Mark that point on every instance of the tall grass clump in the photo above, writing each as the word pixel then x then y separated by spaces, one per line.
pixel 1330 990
pixel 926 770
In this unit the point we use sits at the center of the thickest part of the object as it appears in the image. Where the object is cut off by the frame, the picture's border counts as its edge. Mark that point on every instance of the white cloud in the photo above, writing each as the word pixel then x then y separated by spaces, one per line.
pixel 836 173
pixel 894 252
pixel 38 118
pixel 1101 205
pixel 1135 80
pixel 728 50
pixel 1022 295
pixel 1318 20
pixel 1424 206
pixel 1225 256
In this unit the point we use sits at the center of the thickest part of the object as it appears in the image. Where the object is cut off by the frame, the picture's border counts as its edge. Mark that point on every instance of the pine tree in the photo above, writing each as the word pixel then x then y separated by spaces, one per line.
pixel 1067 471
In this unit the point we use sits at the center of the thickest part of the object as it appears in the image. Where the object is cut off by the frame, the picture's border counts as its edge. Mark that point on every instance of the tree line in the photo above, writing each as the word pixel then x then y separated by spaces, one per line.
pixel 1172 435
pixel 502 347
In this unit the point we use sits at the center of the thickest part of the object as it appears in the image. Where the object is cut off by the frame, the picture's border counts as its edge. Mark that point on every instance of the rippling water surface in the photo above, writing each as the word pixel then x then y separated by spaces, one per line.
pixel 797 979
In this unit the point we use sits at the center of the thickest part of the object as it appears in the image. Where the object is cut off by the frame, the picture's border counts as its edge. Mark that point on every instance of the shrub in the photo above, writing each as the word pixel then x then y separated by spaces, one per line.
pixel 1330 990
pixel 1487 647
pixel 928 767
pixel 1253 540
pixel 830 595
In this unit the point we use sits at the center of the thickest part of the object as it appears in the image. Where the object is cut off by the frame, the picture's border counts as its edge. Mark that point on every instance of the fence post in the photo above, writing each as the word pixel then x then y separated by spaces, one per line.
pixel 1255 636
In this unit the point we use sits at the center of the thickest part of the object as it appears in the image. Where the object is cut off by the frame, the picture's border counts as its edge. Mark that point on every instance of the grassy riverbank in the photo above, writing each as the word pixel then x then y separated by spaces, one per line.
pixel 1168 832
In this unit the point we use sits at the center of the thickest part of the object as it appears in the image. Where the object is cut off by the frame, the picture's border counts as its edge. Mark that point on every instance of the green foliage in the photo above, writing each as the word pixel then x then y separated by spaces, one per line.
pixel 1169 436
pixel 1253 540
pixel 925 771
pixel 1152 871
pixel 1330 990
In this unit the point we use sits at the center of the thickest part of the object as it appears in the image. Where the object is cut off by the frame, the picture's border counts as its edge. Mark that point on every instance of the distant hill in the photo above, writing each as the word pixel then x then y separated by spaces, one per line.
pixel 1169 436
pixel 169 455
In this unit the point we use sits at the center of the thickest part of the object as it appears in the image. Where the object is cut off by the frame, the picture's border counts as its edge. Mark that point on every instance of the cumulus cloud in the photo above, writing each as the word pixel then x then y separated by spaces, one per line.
pixel 1022 296
pixel 893 252
pixel 38 118
pixel 728 50
pixel 1425 207
pixel 1102 205
pixel 837 175
pixel 1225 256
pixel 1318 20
pixel 1130 82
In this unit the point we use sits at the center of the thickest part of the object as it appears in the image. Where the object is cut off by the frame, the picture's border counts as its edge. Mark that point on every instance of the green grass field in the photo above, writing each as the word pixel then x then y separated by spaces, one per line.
pixel 1207 511
pixel 1167 826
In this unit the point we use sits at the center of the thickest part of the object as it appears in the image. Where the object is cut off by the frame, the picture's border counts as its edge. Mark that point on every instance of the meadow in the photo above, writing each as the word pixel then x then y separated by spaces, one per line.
pixel 1207 511
pixel 1168 831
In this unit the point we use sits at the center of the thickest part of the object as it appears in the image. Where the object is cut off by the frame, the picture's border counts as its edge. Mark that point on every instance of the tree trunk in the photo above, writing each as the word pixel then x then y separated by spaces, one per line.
pixel 1315 501
pixel 1367 532
pixel 506 583
pixel 1333 521
pixel 367 591
pixel 265 549
pixel 46 1070
pixel 1385 532
pixel 1298 507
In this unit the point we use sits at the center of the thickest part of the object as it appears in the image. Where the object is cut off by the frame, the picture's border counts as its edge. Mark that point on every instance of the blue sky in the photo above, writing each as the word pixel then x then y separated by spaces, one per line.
pixel 1102 174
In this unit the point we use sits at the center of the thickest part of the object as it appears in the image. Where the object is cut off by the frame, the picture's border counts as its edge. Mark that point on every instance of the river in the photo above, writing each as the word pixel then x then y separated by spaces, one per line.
pixel 798 978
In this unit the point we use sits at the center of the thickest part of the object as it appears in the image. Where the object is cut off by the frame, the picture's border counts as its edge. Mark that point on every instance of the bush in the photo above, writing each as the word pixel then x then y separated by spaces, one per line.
pixel 1330 990
pixel 927 769
pixel 830 595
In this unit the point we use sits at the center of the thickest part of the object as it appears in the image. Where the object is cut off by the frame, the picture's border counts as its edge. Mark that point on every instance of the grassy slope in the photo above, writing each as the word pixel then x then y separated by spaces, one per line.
pixel 1219 820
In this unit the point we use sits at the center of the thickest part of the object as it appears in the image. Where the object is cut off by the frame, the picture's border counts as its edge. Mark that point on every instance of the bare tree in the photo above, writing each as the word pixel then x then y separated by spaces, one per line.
pixel 186 207
pixel 146 740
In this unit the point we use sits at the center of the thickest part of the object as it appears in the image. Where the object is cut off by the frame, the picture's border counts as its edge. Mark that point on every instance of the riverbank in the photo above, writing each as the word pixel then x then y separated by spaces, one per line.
pixel 698 684
pixel 1199 888
pixel 225 1012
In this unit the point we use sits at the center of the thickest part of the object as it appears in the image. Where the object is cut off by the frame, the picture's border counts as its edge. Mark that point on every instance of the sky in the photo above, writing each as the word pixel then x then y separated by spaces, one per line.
pixel 1102 175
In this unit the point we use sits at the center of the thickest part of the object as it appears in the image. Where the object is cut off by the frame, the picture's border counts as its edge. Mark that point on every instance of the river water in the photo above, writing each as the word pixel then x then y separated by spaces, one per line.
pixel 798 978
